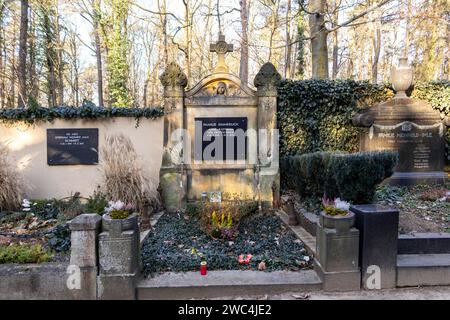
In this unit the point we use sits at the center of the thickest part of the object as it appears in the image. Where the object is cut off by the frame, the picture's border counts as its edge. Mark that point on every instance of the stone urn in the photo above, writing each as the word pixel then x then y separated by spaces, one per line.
pixel 401 77
pixel 342 224
pixel 120 225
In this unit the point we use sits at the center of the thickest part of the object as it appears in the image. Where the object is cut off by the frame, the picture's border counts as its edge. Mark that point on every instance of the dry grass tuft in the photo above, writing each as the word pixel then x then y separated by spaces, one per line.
pixel 123 176
pixel 11 187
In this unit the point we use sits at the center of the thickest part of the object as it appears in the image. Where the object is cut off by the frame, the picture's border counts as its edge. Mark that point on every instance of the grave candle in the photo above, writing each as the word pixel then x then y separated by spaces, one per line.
pixel 203 268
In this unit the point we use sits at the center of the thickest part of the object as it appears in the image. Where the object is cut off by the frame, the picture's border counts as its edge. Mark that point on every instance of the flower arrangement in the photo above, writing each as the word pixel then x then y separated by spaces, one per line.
pixel 119 209
pixel 222 227
pixel 335 207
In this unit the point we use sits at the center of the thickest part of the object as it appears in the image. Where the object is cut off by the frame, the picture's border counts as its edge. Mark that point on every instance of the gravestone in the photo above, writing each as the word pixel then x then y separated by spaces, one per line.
pixel 409 126
pixel 220 135
pixel 72 146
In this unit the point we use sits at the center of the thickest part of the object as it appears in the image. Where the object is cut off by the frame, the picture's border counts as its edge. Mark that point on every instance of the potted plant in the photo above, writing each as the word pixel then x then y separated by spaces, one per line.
pixel 222 228
pixel 336 214
pixel 121 215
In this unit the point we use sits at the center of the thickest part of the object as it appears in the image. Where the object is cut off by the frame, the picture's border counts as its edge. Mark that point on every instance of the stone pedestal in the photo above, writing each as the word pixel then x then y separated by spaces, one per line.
pixel 83 254
pixel 119 256
pixel 378 227
pixel 336 260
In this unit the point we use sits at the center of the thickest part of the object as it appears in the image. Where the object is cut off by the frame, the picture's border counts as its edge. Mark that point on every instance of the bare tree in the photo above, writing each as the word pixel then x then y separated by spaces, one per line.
pixel 98 49
pixel 319 33
pixel 22 68
pixel 243 65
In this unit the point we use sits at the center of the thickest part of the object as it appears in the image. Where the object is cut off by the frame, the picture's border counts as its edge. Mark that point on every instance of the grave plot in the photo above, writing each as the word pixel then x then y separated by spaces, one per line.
pixel 38 231
pixel 180 242
pixel 422 208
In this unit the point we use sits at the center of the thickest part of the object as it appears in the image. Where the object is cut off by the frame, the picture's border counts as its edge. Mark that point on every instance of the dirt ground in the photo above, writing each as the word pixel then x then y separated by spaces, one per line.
pixel 422 208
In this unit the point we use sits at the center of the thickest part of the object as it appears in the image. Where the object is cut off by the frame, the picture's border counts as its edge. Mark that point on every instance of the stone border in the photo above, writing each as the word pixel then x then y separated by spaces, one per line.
pixel 191 285
pixel 307 238
pixel 424 243
pixel 308 221
pixel 153 220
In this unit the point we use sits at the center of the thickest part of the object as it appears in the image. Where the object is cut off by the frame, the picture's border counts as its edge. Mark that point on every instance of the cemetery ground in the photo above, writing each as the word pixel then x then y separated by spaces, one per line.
pixel 178 244
pixel 422 208
pixel 39 232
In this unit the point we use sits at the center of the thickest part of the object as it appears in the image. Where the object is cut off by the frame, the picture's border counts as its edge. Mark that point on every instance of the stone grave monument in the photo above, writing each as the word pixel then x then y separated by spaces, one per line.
pixel 411 127
pixel 220 135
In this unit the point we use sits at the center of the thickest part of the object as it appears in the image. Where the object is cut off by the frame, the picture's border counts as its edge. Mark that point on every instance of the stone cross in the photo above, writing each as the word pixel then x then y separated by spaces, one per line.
pixel 221 47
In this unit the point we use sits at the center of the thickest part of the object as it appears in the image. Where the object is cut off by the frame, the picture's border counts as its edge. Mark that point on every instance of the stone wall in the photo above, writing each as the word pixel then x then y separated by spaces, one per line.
pixel 28 149
pixel 39 281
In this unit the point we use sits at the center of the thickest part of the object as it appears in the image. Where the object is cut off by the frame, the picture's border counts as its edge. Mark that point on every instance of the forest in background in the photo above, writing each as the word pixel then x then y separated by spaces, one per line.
pixel 111 52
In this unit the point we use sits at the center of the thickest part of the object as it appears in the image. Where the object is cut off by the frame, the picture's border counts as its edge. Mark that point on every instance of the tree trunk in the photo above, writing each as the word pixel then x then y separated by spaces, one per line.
pixel 188 40
pixel 163 19
pixel 318 32
pixel 50 58
pixel 288 53
pixel 273 28
pixel 98 52
pixel 335 55
pixel 11 98
pixel 2 57
pixel 243 65
pixel 335 43
pixel 300 47
pixel 33 82
pixel 22 68
pixel 59 57
pixel 376 54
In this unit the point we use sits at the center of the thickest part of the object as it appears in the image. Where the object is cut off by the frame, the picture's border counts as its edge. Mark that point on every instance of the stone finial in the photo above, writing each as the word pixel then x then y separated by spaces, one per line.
pixel 173 76
pixel 267 80
pixel 401 77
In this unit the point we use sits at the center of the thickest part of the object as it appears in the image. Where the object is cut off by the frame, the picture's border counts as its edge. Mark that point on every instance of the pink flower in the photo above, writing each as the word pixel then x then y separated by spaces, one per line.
pixel 328 202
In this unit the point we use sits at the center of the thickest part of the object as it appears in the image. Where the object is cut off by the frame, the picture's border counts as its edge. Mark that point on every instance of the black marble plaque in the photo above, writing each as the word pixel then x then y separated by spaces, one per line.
pixel 72 146
pixel 420 146
pixel 220 139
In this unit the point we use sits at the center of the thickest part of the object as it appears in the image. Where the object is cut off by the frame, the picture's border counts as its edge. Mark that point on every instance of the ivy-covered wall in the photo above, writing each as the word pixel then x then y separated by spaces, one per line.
pixel 87 111
pixel 316 115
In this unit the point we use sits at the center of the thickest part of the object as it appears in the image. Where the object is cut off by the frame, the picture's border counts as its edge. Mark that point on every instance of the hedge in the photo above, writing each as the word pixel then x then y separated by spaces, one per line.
pixel 87 110
pixel 316 115
pixel 352 177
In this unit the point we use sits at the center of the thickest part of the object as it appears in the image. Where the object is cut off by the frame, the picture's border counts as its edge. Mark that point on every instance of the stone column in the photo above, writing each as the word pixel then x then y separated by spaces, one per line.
pixel 84 254
pixel 172 173
pixel 378 243
pixel 119 258
pixel 266 82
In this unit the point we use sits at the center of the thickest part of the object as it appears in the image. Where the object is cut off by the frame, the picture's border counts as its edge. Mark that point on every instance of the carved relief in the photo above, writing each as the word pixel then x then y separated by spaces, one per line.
pixel 221 88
